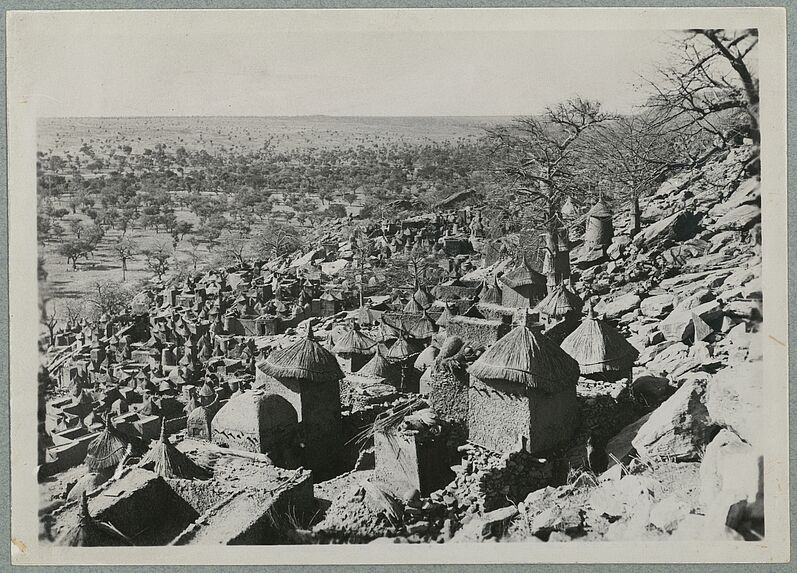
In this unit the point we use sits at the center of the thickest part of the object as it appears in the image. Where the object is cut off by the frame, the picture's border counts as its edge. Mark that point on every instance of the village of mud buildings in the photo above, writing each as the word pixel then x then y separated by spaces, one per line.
pixel 540 329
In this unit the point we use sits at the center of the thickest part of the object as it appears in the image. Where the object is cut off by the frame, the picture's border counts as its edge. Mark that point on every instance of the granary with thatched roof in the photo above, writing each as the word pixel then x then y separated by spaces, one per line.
pixel 600 350
pixel 558 304
pixel 380 367
pixel 107 449
pixel 306 375
pixel 522 287
pixel 167 461
pixel 522 393
pixel 354 349
pixel 599 228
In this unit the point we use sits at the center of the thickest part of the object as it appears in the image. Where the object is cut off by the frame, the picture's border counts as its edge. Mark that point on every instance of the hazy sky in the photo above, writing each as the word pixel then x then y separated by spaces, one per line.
pixel 261 63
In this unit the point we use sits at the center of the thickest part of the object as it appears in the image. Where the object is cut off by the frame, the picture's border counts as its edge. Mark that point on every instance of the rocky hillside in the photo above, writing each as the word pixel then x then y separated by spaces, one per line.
pixel 687 292
pixel 684 449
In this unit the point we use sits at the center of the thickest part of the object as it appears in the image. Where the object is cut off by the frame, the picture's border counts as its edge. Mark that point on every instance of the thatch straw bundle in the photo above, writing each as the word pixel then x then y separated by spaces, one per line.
pixel 528 357
pixel 354 341
pixel 306 359
pixel 167 461
pixel 107 449
pixel 598 347
pixel 91 533
pixel 559 302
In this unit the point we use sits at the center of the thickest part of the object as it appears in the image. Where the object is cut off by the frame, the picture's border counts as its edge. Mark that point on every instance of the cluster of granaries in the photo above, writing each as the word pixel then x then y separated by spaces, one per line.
pixel 499 358
pixel 502 357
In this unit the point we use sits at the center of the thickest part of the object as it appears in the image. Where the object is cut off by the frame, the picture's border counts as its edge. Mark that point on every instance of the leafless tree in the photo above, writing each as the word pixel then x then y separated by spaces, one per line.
pixel 125 250
pixel 635 153
pixel 713 84
pixel 539 159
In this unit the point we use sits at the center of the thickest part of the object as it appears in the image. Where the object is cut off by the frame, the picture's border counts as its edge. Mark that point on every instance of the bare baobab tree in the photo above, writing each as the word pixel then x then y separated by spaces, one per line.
pixel 539 158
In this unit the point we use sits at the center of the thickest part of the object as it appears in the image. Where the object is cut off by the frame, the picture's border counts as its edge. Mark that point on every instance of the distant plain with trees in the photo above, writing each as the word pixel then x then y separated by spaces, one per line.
pixel 126 200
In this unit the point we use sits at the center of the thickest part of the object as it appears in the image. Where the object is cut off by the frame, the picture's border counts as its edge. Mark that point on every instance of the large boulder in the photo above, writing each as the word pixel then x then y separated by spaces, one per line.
pixel 739 218
pixel 677 227
pixel 619 306
pixel 747 192
pixel 657 306
pixel 731 486
pixel 734 400
pixel 679 325
pixel 678 429
pixel 717 466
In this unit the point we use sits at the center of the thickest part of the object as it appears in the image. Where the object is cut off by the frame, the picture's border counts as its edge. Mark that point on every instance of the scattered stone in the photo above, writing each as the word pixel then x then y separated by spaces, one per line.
pixel 679 326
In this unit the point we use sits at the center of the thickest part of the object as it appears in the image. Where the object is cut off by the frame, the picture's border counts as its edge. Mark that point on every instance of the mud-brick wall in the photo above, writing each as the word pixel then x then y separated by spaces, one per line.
pixel 498 415
pixel 478 332
pixel 448 395
pixel 405 463
pixel 554 418
pixel 201 495
pixel 321 427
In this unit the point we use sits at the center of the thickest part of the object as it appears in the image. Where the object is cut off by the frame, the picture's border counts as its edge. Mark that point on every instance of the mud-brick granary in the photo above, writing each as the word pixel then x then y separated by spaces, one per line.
pixel 307 375
pixel 259 422
pixel 523 287
pixel 522 393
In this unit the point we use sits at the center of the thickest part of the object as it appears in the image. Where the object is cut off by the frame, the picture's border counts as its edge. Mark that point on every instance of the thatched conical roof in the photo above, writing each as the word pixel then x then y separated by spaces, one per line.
pixel 367 316
pixel 107 449
pixel 491 292
pixel 445 317
pixel 559 302
pixel 379 367
pixel 523 275
pixel 600 210
pixel 424 327
pixel 413 306
pixel 423 297
pixel 355 341
pixel 597 346
pixel 167 461
pixel 403 348
pixel 389 330
pixel 528 357
pixel 473 312
pixel 305 359
pixel 91 533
